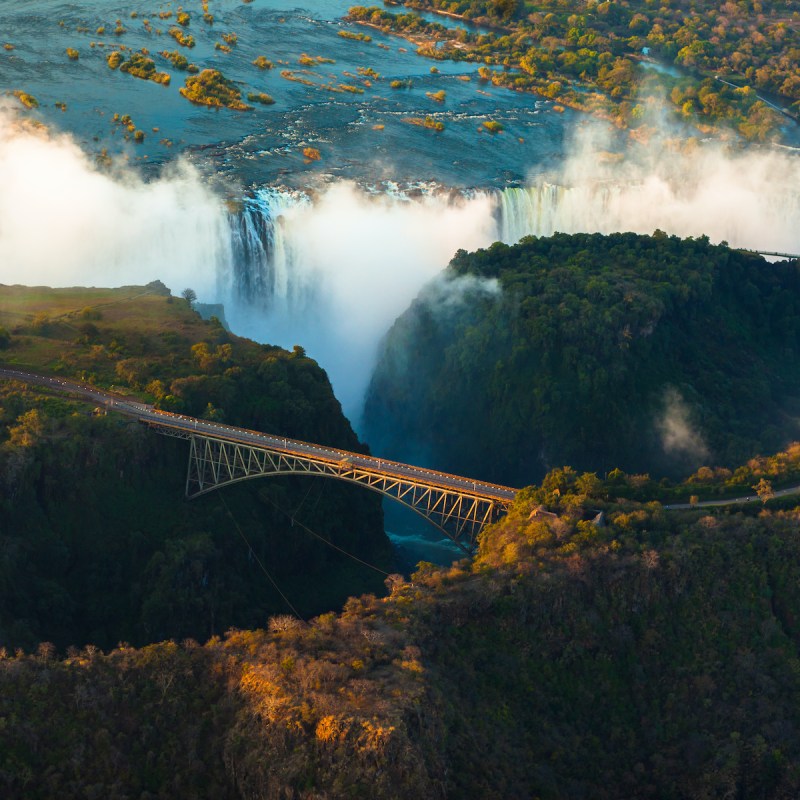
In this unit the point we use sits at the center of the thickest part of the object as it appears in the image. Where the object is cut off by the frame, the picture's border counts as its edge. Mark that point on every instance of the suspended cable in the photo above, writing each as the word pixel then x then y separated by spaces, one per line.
pixel 258 560
pixel 305 497
pixel 328 542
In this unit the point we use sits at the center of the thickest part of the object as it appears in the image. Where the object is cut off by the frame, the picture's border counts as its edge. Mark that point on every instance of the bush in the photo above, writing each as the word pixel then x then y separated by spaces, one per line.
pixel 260 97
pixel 211 88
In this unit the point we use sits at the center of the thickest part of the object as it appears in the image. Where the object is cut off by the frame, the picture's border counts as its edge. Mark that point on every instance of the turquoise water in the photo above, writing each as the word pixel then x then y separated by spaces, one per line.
pixel 264 146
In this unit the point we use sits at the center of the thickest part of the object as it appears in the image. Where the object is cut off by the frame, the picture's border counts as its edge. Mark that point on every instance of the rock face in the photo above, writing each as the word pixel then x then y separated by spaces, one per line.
pixel 648 353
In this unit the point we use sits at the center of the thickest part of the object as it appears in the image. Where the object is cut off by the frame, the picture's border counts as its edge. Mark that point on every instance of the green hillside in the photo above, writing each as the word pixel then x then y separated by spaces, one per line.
pixel 647 353
pixel 99 545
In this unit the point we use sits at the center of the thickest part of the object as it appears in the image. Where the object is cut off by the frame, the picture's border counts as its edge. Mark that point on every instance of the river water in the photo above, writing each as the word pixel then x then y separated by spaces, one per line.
pixel 264 146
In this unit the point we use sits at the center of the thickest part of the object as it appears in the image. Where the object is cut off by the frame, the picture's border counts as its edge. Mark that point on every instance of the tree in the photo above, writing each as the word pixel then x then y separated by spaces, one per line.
pixel 189 295
pixel 764 490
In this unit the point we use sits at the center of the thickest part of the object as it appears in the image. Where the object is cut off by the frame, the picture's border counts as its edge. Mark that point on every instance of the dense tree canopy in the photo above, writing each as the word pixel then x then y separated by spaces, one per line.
pixel 641 352
pixel 646 655
pixel 98 543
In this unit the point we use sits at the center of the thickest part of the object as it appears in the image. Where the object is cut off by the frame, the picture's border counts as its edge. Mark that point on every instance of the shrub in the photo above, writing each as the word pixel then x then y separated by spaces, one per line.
pixel 140 66
pixel 28 100
pixel 426 122
pixel 181 37
pixel 260 97
pixel 359 37
pixel 211 88
pixel 179 61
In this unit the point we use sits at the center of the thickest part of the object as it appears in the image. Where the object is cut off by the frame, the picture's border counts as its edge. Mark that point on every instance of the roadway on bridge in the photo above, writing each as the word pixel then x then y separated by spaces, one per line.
pixel 146 413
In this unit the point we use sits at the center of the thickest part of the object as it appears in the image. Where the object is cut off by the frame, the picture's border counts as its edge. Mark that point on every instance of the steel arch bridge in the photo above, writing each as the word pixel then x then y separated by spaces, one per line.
pixel 459 511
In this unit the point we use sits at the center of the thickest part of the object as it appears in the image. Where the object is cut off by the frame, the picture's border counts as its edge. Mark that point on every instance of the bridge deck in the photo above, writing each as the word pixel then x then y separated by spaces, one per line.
pixel 185 426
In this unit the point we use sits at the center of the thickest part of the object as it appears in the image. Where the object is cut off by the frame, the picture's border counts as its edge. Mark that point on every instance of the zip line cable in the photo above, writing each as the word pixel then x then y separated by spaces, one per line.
pixel 323 539
pixel 323 485
pixel 258 560
pixel 305 497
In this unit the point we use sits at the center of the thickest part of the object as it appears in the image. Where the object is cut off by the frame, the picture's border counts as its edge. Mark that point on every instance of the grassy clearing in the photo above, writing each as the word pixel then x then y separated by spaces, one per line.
pixel 90 332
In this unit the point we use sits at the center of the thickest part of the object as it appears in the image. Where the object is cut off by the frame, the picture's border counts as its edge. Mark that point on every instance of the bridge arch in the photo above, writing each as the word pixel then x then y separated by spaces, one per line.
pixel 459 515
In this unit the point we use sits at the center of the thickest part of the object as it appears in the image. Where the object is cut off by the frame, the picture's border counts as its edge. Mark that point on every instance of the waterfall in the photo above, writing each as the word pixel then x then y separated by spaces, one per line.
pixel 756 205
pixel 265 267
pixel 332 273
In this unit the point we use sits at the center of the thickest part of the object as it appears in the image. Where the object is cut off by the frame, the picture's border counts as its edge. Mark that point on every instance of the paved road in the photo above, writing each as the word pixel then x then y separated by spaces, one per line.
pixel 753 498
pixel 146 413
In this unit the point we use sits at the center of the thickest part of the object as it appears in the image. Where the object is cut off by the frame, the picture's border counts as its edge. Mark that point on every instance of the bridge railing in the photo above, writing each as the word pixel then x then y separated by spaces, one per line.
pixel 325 453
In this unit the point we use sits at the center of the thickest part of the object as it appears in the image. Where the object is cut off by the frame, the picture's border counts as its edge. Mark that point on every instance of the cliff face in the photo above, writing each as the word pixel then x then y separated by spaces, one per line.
pixel 647 353
pixel 100 545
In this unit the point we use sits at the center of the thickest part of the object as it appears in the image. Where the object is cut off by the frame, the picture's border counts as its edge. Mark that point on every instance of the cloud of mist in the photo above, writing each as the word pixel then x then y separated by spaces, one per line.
pixel 452 294
pixel 65 222
pixel 359 259
pixel 363 259
pixel 679 438
pixel 749 198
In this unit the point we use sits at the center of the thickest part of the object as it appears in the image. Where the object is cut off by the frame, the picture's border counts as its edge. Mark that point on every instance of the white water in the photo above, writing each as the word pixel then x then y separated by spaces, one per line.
pixel 64 223
pixel 748 199
pixel 333 272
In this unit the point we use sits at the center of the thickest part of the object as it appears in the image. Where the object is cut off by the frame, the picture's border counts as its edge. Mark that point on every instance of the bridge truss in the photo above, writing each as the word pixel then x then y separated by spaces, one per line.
pixel 213 463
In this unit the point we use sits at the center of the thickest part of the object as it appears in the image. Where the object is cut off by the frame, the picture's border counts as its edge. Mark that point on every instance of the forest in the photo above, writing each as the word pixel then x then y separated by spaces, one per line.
pixel 98 544
pixel 592 648
pixel 596 645
pixel 594 351
pixel 728 65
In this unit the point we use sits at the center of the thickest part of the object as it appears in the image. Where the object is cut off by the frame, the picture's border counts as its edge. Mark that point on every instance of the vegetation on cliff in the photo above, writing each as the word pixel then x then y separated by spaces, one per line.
pixel 642 654
pixel 647 353
pixel 590 55
pixel 98 544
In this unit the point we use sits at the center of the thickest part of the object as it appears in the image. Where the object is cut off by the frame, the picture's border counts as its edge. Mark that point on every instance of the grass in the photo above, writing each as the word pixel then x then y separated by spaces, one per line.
pixel 134 321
